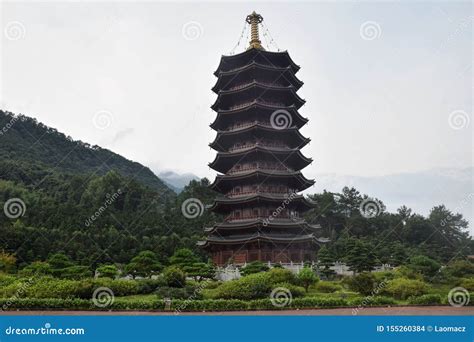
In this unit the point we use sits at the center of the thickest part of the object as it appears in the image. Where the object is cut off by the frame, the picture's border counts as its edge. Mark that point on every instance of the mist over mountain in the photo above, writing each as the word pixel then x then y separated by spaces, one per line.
pixel 174 180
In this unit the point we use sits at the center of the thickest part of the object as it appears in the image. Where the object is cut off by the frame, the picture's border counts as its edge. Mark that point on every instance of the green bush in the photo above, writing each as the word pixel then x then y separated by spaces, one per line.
pixel 372 301
pixel 424 265
pixel 402 288
pixel 250 287
pixel 427 299
pixel 6 279
pixel 174 276
pixel 306 277
pixel 146 286
pixel 363 283
pixel 187 292
pixel 327 287
pixel 467 283
pixel 460 268
pixel 254 267
pixel 253 286
pixel 296 291
pixel 36 268
pixel 280 275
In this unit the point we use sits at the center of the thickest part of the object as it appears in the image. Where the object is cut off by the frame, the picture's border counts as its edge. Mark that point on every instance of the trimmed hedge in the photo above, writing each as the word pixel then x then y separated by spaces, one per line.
pixel 176 305
pixel 372 301
pixel 427 299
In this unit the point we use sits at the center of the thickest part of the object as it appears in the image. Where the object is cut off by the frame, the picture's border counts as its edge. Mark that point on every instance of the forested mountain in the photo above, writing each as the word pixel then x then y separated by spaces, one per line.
pixel 30 151
pixel 88 202
pixel 96 212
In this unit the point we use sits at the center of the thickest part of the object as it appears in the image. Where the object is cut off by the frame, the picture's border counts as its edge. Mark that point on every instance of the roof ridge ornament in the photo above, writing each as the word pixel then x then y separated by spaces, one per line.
pixel 254 20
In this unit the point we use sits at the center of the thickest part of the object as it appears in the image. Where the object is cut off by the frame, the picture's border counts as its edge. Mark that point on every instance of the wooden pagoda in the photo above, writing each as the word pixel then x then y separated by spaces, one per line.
pixel 259 160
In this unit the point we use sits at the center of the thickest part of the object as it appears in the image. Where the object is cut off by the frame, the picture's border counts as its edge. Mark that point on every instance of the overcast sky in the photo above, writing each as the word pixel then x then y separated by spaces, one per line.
pixel 388 85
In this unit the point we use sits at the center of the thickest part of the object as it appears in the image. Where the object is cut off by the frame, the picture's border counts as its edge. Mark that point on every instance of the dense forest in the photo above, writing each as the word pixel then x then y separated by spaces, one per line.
pixel 97 208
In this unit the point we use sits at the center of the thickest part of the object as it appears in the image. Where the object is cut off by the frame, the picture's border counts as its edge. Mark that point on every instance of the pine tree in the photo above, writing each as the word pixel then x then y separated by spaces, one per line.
pixel 326 260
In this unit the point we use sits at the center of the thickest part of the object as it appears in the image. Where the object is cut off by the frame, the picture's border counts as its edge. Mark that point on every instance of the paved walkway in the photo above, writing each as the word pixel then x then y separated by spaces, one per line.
pixel 383 311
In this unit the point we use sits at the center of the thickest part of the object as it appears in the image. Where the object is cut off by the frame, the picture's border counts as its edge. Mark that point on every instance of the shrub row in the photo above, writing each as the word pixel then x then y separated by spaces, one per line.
pixel 176 305
pixel 48 287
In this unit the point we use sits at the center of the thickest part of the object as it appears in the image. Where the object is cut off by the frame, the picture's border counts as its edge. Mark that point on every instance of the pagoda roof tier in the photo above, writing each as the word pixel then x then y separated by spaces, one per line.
pixel 253 71
pixel 255 110
pixel 277 59
pixel 225 204
pixel 226 139
pixel 295 180
pixel 224 161
pixel 259 223
pixel 275 238
pixel 286 95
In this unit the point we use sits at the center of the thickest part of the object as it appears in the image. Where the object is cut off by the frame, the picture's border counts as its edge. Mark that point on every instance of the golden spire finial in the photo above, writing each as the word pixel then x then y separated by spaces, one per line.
pixel 254 19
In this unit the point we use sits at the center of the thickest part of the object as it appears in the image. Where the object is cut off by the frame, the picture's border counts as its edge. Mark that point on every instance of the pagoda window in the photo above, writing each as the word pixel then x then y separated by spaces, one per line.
pixel 237 190
pixel 237 214
pixel 255 212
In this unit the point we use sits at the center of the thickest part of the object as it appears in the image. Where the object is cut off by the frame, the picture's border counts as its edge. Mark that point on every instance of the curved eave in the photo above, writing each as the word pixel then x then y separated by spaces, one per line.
pixel 259 237
pixel 300 122
pixel 221 134
pixel 222 94
pixel 271 151
pixel 225 58
pixel 266 175
pixel 297 201
pixel 254 65
pixel 305 238
pixel 259 224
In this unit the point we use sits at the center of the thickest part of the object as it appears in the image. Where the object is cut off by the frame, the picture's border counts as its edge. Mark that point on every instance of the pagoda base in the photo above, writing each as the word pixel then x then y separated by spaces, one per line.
pixel 282 256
